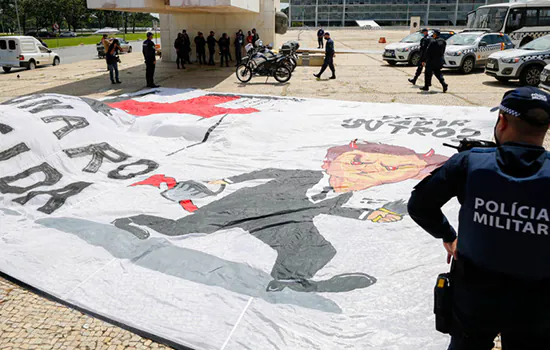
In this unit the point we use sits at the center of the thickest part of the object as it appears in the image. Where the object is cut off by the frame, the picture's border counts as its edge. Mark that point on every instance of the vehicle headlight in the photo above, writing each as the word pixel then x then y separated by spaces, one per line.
pixel 510 59
pixel 406 49
pixel 455 53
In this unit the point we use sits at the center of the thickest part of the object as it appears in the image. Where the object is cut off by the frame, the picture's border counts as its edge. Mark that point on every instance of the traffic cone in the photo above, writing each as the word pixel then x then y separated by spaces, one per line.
pixel 382 40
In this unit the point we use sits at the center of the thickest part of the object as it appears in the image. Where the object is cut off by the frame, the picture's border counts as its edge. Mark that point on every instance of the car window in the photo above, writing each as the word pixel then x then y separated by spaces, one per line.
pixel 43 49
pixel 491 39
pixel 531 17
pixel 538 44
pixel 11 44
pixel 3 45
pixel 463 39
pixel 544 17
pixel 413 38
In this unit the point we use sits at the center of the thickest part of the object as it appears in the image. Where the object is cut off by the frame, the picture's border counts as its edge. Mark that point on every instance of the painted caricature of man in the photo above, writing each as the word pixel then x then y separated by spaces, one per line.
pixel 280 212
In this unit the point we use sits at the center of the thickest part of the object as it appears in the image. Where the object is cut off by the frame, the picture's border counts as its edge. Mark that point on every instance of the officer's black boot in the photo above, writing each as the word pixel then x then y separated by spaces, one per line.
pixel 333 76
pixel 445 87
pixel 425 88
pixel 317 76
pixel 413 81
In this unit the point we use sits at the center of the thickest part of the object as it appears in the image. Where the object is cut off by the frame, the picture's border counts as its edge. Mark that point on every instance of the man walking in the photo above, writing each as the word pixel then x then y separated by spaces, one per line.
pixel 320 34
pixel 424 42
pixel 200 44
pixel 434 61
pixel 211 41
pixel 500 279
pixel 149 53
pixel 329 58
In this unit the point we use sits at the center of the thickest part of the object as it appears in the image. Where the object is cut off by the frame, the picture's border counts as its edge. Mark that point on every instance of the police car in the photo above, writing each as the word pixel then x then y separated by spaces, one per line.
pixel 525 63
pixel 408 49
pixel 468 50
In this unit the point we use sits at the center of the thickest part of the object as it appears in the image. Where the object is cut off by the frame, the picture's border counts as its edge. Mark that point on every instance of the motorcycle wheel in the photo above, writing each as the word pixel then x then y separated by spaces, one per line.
pixel 293 63
pixel 244 73
pixel 282 74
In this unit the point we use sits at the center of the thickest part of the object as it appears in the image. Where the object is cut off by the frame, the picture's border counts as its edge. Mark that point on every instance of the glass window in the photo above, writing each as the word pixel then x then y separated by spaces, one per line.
pixel 538 44
pixel 463 39
pixel 531 17
pixel 515 20
pixel 43 49
pixel 11 44
pixel 491 18
pixel 544 17
pixel 3 45
pixel 491 39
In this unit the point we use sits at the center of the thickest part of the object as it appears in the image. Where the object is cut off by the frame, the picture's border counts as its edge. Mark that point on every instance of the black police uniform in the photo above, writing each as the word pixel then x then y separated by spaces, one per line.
pixel 186 48
pixel 501 279
pixel 211 41
pixel 320 34
pixel 329 59
pixel 178 45
pixel 434 62
pixel 224 50
pixel 424 42
pixel 200 44
pixel 149 53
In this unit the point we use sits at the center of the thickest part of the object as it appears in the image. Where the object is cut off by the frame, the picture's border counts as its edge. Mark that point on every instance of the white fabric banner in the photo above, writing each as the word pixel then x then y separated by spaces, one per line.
pixel 230 222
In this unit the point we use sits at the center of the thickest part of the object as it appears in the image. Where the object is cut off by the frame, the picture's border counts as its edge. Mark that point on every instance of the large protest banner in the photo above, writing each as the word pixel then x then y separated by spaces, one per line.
pixel 216 221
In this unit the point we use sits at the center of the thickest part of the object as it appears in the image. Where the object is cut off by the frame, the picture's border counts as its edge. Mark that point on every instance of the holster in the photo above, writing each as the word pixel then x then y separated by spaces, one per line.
pixel 443 302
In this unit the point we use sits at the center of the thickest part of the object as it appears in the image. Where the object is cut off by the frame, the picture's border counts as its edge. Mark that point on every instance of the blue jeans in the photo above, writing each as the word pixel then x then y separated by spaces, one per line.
pixel 113 70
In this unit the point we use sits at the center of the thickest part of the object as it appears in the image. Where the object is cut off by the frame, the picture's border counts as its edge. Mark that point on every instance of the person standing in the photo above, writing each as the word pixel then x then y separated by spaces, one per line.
pixel 424 42
pixel 434 61
pixel 500 278
pixel 255 37
pixel 211 41
pixel 186 47
pixel 106 43
pixel 150 55
pixel 224 49
pixel 178 45
pixel 112 61
pixel 250 38
pixel 200 44
pixel 239 42
pixel 329 58
pixel 320 35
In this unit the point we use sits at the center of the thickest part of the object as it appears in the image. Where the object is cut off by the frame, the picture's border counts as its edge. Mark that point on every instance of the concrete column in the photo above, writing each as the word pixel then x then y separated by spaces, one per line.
pixel 344 14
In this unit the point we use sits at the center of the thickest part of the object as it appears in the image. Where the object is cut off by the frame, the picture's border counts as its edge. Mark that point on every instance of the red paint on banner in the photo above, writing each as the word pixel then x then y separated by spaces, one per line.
pixel 188 205
pixel 204 106
pixel 156 180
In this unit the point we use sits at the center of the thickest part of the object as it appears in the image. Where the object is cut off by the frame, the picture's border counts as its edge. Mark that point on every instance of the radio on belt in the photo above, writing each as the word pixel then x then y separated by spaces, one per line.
pixel 443 303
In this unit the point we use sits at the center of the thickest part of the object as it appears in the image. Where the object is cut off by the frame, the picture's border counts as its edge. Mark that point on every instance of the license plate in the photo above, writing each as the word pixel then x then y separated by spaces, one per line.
pixel 490 65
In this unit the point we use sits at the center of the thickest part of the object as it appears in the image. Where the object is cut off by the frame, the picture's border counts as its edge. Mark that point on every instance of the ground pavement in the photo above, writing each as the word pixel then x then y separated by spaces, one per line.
pixel 28 321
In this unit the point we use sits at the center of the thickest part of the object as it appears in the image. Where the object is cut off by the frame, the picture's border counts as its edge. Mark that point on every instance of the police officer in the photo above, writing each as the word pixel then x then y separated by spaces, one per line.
pixel 320 34
pixel 424 42
pixel 186 47
pixel 200 44
pixel 211 41
pixel 434 61
pixel 149 53
pixel 329 58
pixel 501 272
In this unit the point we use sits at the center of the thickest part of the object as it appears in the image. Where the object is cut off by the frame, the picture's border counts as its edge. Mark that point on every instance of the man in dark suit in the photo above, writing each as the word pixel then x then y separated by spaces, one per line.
pixel 280 212
pixel 434 61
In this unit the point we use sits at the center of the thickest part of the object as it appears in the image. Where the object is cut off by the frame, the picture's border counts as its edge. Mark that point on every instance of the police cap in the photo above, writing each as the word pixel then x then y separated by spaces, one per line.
pixel 423 30
pixel 149 34
pixel 522 102
pixel 327 33
pixel 436 32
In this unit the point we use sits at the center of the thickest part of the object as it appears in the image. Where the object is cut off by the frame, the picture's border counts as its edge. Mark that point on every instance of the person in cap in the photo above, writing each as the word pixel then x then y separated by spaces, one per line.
pixel 149 53
pixel 434 61
pixel 211 41
pixel 500 277
pixel 329 58
pixel 320 35
pixel 200 44
pixel 424 42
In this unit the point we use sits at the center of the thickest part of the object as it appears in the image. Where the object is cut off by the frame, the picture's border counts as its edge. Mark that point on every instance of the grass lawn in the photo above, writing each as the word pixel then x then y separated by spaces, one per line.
pixel 92 39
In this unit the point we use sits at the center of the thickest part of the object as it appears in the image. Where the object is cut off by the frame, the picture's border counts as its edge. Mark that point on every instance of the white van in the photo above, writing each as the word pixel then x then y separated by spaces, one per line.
pixel 25 52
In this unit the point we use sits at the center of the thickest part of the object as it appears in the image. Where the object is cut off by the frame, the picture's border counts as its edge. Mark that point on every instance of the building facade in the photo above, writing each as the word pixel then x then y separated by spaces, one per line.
pixel 315 13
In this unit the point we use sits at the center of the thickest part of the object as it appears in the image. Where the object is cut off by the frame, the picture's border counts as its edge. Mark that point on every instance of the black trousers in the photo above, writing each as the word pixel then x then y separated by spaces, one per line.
pixel 238 54
pixel 201 55
pixel 186 58
pixel 179 59
pixel 486 303
pixel 419 69
pixel 320 41
pixel 212 52
pixel 150 73
pixel 329 62
pixel 431 70
pixel 225 54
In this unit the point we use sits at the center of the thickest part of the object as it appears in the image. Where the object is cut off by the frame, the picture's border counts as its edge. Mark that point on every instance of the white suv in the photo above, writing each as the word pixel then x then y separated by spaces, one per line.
pixel 408 49
pixel 468 50
pixel 525 63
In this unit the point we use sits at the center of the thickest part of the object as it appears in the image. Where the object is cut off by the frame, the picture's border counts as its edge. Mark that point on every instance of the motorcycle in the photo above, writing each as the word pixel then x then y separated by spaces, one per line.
pixel 262 62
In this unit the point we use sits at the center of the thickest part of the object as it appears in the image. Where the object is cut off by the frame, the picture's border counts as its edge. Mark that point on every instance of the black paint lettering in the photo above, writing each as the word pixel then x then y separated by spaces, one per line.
pixel 44 105
pixel 442 123
pixel 423 122
pixel 20 99
pixel 386 117
pixel 12 152
pixel 352 123
pixel 4 129
pixel 445 132
pixel 58 196
pixel 471 133
pixel 420 131
pixel 376 126
pixel 396 128
pixel 98 152
pixel 52 177
pixel 406 122
pixel 73 123
pixel 116 174
pixel 458 122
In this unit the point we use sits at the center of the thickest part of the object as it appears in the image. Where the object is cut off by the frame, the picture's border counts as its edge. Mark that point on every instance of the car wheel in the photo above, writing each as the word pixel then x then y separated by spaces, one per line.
pixel 503 80
pixel 392 63
pixel 31 65
pixel 415 59
pixel 130 49
pixel 6 69
pixel 56 61
pixel 468 65
pixel 531 75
